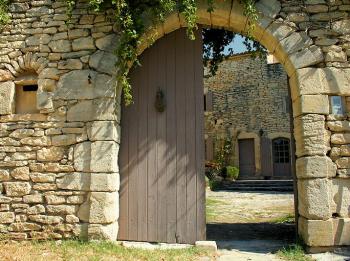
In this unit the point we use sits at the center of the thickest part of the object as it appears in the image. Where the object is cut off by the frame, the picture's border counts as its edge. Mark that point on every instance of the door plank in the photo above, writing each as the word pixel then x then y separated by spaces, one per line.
pixel 171 140
pixel 181 138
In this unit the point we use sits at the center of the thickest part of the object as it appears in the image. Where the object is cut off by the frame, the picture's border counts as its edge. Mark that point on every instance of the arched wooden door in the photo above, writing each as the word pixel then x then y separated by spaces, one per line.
pixel 162 195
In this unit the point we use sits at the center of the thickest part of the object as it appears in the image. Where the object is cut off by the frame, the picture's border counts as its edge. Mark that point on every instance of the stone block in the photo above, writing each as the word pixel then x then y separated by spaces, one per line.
pixel 269 8
pixel 22 133
pixel 17 189
pixel 50 154
pixel 341 231
pixel 60 46
pixel 339 126
pixel 100 208
pixel 305 104
pixel 103 131
pixel 340 138
pixel 55 199
pixel 85 84
pixel 207 245
pixel 103 62
pixel 82 111
pixel 316 232
pixel 315 198
pixel 329 80
pixel 64 140
pixel 74 181
pixel 35 198
pixel 103 232
pixel 341 197
pixel 4 175
pixel 104 156
pixel 107 43
pixel 36 141
pixel 35 210
pixel 306 57
pixel 105 182
pixel 61 209
pixel 343 163
pixel 84 43
pixel 311 135
pixel 315 167
pixel 45 219
pixel 24 226
pixel 82 156
pixel 42 177
pixel 295 42
pixel 20 173
pixel 7 217
pixel 7 98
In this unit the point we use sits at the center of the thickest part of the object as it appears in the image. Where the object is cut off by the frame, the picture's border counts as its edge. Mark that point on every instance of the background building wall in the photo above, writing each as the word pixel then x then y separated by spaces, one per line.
pixel 250 99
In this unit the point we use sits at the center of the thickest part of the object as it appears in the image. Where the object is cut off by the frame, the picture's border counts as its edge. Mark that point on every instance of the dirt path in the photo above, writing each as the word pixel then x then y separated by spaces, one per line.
pixel 252 224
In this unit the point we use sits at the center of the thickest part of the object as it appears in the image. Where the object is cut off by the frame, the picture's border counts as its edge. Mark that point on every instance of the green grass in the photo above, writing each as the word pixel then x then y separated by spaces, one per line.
pixel 211 207
pixel 71 250
pixel 289 218
pixel 293 253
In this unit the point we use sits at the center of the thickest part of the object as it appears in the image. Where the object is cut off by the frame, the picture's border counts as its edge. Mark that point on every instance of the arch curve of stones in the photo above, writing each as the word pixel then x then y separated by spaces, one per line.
pixel 67 189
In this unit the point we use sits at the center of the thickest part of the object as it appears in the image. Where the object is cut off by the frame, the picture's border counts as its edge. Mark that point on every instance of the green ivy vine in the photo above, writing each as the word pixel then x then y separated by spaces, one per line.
pixel 133 16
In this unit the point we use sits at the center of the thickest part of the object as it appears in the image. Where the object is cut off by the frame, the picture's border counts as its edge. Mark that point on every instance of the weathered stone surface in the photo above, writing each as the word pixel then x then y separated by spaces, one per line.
pixel 72 219
pixel 74 181
pixel 42 177
pixel 315 167
pixel 342 26
pixel 306 57
pixel 85 43
pixel 341 231
pixel 100 208
pixel 70 64
pixel 35 210
pixel 51 154
pixel 315 197
pixel 17 189
pixel 106 232
pixel 269 8
pixel 35 198
pixel 341 197
pixel 343 163
pixel 54 199
pixel 21 173
pixel 64 140
pixel 103 131
pixel 340 138
pixel 44 219
pixel 316 232
pixel 60 46
pixel 103 155
pixel 82 156
pixel 328 80
pixel 103 62
pixel 61 209
pixel 5 76
pixel 36 141
pixel 107 182
pixel 7 217
pixel 24 226
pixel 22 133
pixel 305 104
pixel 107 43
pixel 311 135
pixel 7 95
pixel 4 175
pixel 339 126
pixel 84 84
pixel 38 39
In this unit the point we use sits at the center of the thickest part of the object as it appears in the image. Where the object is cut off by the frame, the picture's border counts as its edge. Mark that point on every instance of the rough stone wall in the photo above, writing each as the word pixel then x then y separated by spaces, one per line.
pixel 309 37
pixel 248 95
pixel 58 168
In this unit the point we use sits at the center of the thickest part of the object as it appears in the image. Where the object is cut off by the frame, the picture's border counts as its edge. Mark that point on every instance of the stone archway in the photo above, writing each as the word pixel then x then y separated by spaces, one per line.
pixel 319 219
pixel 79 119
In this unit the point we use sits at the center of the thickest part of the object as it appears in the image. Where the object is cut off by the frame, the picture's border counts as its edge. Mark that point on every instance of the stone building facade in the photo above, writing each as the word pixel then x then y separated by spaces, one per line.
pixel 59 173
pixel 248 99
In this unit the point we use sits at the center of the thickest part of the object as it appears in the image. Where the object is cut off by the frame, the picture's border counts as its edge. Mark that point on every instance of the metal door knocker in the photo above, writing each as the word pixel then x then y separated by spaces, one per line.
pixel 160 101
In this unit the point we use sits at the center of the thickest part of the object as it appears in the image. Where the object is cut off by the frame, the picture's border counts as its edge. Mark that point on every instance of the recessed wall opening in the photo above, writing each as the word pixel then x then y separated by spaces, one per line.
pixel 26 99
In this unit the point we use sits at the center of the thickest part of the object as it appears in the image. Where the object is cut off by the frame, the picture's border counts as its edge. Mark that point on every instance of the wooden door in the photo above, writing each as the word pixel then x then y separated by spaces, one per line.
pixel 266 157
pixel 281 158
pixel 162 195
pixel 246 158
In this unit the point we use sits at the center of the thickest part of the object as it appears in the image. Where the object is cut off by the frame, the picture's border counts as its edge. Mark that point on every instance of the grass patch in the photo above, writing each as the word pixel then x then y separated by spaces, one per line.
pixel 289 218
pixel 294 253
pixel 211 208
pixel 71 250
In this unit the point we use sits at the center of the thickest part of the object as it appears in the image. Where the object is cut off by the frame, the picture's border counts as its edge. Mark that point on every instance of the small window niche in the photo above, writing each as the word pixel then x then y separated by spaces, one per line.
pixel 26 99
pixel 337 105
